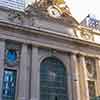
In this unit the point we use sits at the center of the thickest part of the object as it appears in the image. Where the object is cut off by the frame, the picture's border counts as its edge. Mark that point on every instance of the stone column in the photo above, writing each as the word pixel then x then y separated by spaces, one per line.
pixel 2 49
pixel 75 78
pixel 83 79
pixel 98 76
pixel 69 79
pixel 35 75
pixel 23 93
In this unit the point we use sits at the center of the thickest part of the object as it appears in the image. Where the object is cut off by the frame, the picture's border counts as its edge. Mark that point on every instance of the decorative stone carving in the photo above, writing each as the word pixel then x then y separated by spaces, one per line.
pixel 34 11
pixel 53 8
pixel 85 34
pixel 91 68
pixel 15 16
pixel 31 10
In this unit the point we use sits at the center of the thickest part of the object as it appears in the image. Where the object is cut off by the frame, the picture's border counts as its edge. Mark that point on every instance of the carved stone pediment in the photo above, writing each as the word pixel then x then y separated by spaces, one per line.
pixel 42 13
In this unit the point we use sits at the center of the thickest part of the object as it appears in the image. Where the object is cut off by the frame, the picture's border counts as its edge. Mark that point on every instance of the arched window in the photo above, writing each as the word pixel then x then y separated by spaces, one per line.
pixel 53 84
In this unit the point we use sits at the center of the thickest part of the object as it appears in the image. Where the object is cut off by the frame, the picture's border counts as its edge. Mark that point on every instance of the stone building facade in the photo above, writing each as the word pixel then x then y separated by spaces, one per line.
pixel 44 58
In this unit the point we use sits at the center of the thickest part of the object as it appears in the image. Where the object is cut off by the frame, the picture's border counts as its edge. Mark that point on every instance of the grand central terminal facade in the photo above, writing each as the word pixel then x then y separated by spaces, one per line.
pixel 45 54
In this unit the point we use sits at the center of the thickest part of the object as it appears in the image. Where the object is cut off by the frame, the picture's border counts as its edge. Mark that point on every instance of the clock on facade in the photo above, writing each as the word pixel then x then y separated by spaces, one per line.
pixel 54 11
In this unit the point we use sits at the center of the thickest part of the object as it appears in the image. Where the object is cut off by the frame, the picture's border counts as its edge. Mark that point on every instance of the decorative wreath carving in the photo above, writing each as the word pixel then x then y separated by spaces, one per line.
pixel 15 16
pixel 87 35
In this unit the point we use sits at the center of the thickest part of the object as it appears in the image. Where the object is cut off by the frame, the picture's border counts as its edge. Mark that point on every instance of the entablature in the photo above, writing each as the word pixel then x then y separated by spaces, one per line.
pixel 36 22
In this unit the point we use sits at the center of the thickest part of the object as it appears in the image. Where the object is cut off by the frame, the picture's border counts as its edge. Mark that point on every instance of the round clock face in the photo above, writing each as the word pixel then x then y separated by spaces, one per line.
pixel 54 11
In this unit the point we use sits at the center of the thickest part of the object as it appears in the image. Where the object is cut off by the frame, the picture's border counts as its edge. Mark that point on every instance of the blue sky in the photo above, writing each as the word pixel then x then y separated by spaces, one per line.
pixel 81 8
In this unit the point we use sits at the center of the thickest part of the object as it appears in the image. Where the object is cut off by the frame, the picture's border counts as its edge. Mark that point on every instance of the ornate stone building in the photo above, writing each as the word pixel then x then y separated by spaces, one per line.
pixel 47 55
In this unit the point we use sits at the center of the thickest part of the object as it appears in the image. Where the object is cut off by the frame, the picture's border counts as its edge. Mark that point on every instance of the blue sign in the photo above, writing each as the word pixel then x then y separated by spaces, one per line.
pixel 11 56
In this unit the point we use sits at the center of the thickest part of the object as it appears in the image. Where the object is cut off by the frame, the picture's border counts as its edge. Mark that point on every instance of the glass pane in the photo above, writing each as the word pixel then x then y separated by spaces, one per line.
pixel 9 84
pixel 53 80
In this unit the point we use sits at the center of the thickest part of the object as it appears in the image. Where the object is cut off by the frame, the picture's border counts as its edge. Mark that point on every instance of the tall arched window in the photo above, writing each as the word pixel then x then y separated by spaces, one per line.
pixel 53 84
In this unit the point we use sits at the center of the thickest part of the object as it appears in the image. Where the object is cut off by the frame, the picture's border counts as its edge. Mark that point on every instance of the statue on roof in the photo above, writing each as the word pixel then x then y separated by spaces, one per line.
pixel 55 8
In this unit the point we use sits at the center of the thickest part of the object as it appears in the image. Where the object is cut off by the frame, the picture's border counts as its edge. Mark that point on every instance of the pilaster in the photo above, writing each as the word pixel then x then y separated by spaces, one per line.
pixel 69 80
pixel 83 79
pixel 98 76
pixel 2 49
pixel 75 77
pixel 35 75
pixel 24 75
